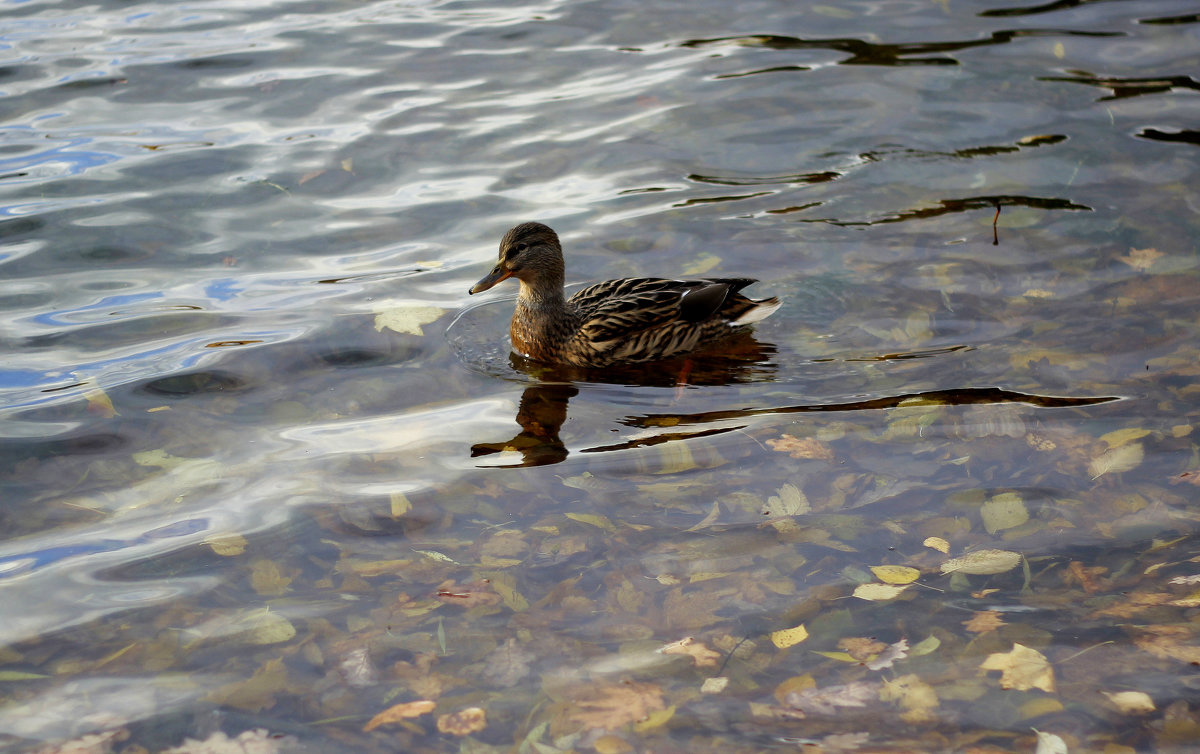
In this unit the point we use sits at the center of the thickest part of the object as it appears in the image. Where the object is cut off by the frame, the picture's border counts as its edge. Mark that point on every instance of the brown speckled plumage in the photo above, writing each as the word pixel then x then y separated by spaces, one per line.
pixel 617 321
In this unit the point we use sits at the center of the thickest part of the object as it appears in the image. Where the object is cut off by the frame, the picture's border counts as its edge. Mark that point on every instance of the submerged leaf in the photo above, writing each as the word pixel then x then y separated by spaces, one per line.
pixel 878 592
pixel 983 562
pixel 1022 669
pixel 895 574
pixel 789 636
pixel 1119 459
pixel 1004 511
pixel 406 319
pixel 400 712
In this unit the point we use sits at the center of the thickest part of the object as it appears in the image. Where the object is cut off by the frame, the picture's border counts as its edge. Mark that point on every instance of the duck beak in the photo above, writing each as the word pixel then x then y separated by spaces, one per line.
pixel 497 274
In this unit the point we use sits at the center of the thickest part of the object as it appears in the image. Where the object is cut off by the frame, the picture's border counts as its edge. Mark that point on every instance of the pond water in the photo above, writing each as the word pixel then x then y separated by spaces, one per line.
pixel 272 481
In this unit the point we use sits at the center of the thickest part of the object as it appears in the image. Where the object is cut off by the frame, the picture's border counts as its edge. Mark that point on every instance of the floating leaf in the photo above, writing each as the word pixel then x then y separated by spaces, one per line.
pixel 1022 669
pixel 878 592
pixel 983 562
pixel 789 636
pixel 1004 511
pixel 895 574
pixel 400 712
pixel 1117 460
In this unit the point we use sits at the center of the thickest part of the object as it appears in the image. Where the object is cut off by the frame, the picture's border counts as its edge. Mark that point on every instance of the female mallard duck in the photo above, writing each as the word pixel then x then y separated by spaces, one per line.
pixel 636 319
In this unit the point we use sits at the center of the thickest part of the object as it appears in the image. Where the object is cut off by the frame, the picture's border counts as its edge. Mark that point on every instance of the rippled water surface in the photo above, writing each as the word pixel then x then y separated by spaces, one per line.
pixel 269 474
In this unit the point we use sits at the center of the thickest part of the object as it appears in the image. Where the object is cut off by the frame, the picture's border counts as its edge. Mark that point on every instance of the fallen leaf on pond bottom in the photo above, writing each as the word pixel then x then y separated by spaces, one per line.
pixel 266 578
pixel 700 654
pixel 405 319
pixel 1140 259
pixel 916 697
pixel 226 545
pixel 256 741
pixel 1049 743
pixel 1022 669
pixel 861 648
pixel 1169 642
pixel 400 712
pixel 714 685
pixel 789 502
pixel 476 593
pixel 878 592
pixel 1004 511
pixel 1131 702
pixel 937 543
pixel 99 403
pixel 610 707
pixel 508 664
pixel 1117 460
pixel 828 700
pixel 464 722
pixel 983 562
pixel 789 636
pixel 895 574
pixel 888 657
pixel 984 621
pixel 802 447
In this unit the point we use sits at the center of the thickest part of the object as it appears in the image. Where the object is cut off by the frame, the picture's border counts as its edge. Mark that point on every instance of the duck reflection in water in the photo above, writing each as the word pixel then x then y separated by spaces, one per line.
pixel 543 409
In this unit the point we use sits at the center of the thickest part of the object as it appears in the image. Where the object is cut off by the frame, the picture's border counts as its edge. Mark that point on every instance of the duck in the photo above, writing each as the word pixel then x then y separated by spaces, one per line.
pixel 624 321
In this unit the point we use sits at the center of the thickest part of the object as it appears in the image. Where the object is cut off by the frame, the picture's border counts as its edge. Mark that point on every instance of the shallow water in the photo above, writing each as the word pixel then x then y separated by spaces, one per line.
pixel 266 466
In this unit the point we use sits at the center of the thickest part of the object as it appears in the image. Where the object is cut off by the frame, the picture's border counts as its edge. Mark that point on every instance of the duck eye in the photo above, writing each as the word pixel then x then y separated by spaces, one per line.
pixel 521 247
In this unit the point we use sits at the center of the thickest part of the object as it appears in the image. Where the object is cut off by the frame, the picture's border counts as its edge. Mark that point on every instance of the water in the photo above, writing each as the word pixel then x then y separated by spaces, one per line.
pixel 267 468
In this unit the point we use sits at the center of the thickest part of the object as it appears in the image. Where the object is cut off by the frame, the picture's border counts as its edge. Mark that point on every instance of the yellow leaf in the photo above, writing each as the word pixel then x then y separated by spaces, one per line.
pixel 406 318
pixel 464 722
pixel 839 656
pixel 266 578
pixel 1117 438
pixel 506 586
pixel 400 504
pixel 1117 460
pixel 655 719
pixel 1059 50
pixel 593 519
pixel 714 685
pixel 271 628
pixel 1131 702
pixel 700 654
pixel 917 698
pixel 400 712
pixel 789 636
pixel 895 574
pixel 1004 511
pixel 1022 669
pixel 878 592
pixel 226 545
pixel 99 403
pixel 1049 743
pixel 937 543
pixel 983 562
pixel 1141 259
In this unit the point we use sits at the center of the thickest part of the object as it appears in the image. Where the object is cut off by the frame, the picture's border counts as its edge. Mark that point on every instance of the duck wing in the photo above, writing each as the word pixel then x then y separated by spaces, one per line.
pixel 618 309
